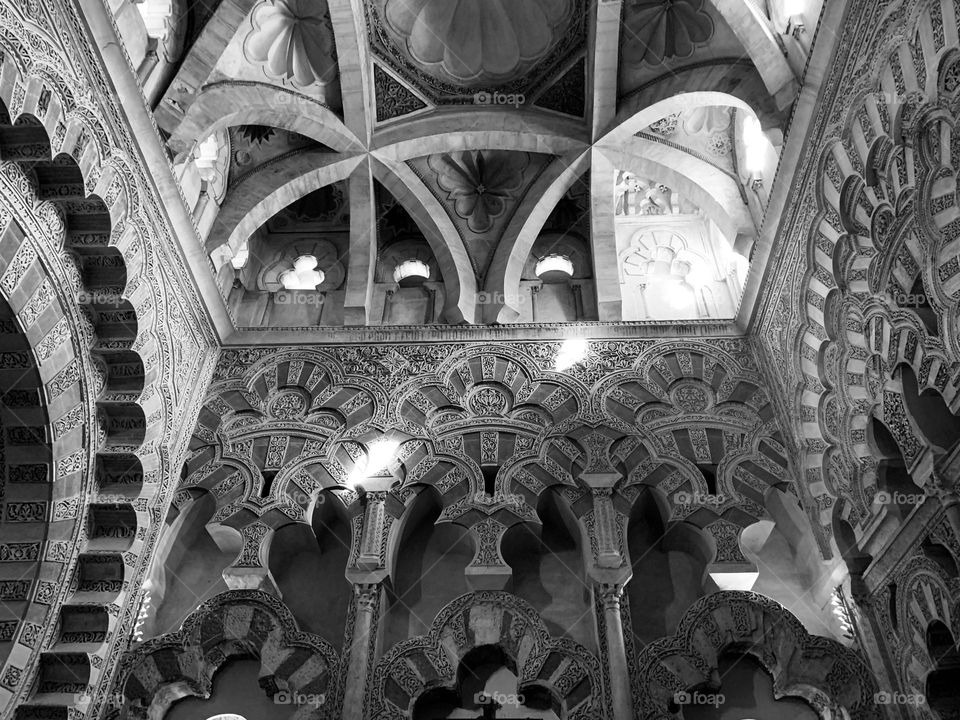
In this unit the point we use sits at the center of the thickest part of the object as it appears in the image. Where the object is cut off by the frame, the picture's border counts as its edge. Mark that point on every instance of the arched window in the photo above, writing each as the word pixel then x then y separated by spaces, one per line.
pixel 155 14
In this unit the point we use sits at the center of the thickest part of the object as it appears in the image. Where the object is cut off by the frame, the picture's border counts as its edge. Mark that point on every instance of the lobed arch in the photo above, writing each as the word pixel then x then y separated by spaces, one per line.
pixel 66 268
pixel 161 671
pixel 923 598
pixel 832 678
pixel 569 672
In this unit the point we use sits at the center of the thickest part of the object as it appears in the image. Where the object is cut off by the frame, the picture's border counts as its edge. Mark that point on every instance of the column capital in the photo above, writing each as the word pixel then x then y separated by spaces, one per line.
pixel 610 595
pixel 597 481
pixel 366 595
pixel 942 488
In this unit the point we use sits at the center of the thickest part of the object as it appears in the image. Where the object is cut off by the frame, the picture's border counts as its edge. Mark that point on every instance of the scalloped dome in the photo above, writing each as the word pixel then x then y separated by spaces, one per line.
pixel 293 39
pixel 475 41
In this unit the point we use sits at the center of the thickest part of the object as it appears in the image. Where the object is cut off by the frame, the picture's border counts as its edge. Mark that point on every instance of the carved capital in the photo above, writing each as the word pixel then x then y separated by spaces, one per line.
pixel 610 595
pixel 943 488
pixel 366 595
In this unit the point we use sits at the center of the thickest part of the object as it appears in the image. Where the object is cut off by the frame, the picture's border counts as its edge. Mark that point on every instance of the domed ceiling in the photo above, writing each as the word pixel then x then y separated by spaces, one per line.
pixel 479 162
pixel 476 43
pixel 452 48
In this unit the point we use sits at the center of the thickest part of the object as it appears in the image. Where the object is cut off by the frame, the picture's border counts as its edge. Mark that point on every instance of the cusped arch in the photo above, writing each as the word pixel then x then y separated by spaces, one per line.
pixel 831 677
pixel 238 623
pixel 566 668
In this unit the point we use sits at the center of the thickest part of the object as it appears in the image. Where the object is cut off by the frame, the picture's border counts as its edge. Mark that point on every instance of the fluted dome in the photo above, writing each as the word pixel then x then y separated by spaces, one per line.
pixel 293 40
pixel 475 41
pixel 658 30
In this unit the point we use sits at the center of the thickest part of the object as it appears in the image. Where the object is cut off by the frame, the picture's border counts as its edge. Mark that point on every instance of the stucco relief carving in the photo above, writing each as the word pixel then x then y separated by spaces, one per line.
pixel 480 182
pixel 485 618
pixel 158 672
pixel 747 622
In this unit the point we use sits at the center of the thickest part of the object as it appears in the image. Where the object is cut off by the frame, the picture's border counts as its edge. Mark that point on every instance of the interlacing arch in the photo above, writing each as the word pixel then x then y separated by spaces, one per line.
pixel 65 276
pixel 80 268
pixel 240 623
pixel 881 286
pixel 832 678
pixel 569 672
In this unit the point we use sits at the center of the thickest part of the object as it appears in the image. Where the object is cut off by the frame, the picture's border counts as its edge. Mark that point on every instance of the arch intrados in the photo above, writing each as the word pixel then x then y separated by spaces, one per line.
pixel 281 197
pixel 715 192
pixel 260 104
pixel 624 127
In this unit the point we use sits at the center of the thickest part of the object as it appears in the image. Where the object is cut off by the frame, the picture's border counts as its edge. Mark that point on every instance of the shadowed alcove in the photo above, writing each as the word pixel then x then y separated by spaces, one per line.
pixel 308 564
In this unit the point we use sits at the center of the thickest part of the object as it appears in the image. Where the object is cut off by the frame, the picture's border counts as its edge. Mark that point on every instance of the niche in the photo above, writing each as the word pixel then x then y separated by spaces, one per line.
pixel 308 563
pixel 669 568
pixel 547 565
pixel 190 571
pixel 429 570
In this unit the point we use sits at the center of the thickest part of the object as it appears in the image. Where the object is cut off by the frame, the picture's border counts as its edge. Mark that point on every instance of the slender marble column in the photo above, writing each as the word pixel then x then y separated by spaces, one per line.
pixel 610 595
pixel 365 625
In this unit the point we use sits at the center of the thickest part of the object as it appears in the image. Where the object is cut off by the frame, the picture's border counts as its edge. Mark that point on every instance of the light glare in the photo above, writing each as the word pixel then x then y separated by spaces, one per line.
pixel 756 145
pixel 571 352
pixel 379 456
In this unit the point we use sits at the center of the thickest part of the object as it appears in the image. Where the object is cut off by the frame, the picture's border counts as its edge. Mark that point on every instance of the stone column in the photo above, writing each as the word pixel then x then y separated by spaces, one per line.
pixel 366 603
pixel 610 594
pixel 610 570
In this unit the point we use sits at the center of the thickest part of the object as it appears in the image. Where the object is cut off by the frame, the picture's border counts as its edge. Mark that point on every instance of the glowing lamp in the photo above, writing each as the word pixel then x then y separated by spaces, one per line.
pixel 304 275
pixel 155 14
pixel 410 273
pixel 554 268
